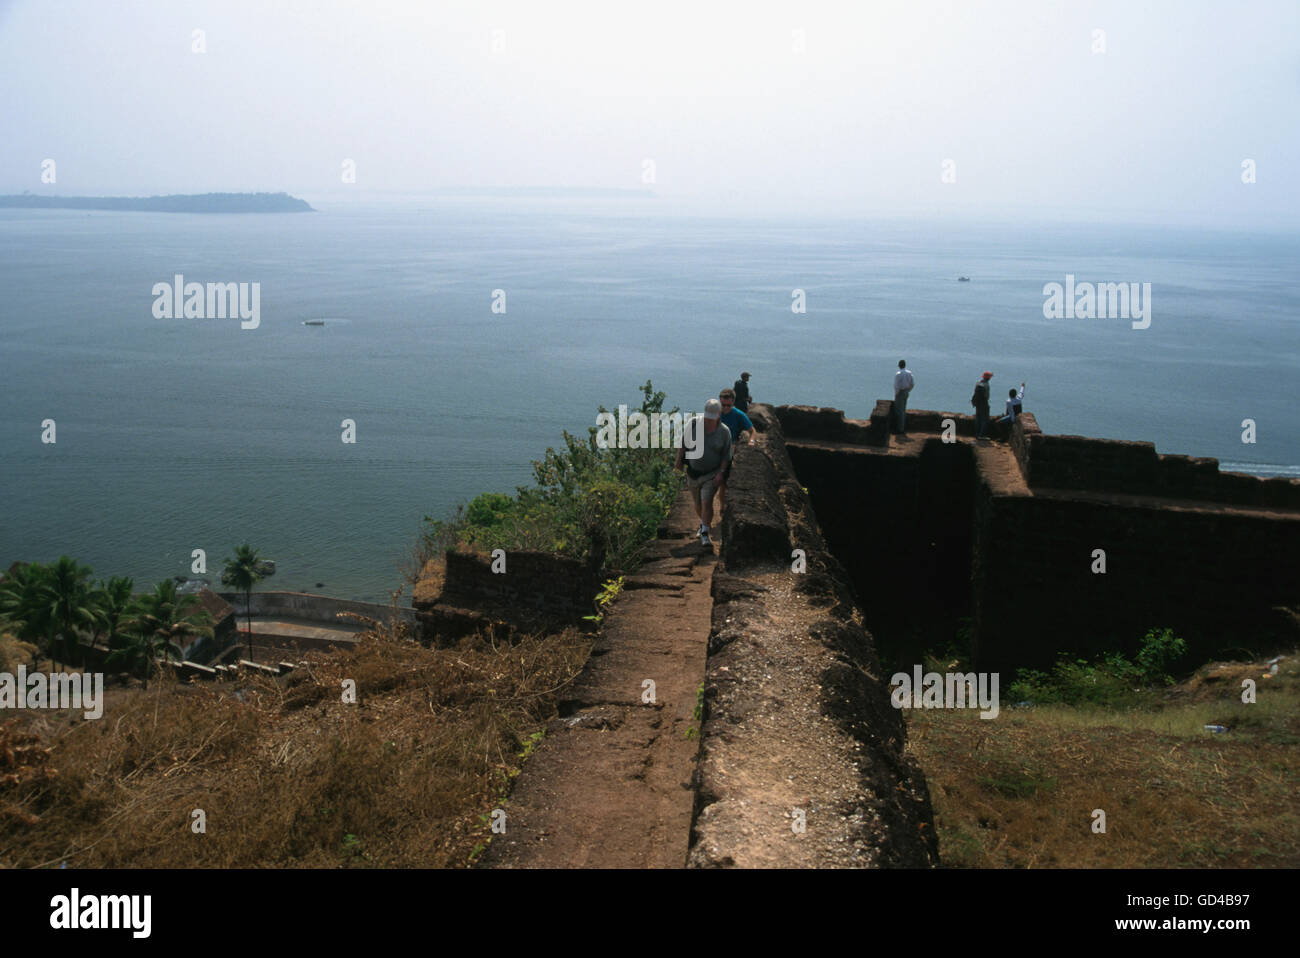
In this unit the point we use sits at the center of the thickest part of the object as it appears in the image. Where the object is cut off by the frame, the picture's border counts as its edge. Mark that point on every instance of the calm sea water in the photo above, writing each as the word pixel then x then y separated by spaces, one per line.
pixel 182 434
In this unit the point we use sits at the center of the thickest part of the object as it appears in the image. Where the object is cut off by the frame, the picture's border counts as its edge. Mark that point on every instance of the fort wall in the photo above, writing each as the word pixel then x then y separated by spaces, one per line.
pixel 460 594
pixel 798 719
pixel 1004 534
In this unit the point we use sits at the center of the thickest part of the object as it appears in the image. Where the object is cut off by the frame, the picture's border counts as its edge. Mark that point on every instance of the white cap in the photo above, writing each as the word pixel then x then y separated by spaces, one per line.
pixel 712 409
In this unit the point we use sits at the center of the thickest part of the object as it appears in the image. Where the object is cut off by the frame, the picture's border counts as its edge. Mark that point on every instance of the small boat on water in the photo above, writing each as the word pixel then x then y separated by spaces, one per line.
pixel 963 279
pixel 313 322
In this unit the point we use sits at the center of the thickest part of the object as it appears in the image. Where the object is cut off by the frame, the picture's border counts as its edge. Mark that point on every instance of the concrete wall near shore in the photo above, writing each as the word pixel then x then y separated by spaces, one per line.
pixel 305 605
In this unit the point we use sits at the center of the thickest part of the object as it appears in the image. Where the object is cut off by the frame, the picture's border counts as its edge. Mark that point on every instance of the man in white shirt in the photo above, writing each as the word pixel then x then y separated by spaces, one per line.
pixel 1015 405
pixel 903 383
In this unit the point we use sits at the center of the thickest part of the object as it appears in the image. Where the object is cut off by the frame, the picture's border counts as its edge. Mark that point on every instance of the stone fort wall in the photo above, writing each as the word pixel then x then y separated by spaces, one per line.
pixel 1004 534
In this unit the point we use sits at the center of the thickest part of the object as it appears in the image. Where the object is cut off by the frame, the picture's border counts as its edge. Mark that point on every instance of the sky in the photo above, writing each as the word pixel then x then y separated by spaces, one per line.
pixel 1089 111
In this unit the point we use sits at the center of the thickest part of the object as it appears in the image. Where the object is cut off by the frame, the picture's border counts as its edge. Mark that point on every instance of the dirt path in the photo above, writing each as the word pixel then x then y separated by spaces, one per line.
pixel 611 784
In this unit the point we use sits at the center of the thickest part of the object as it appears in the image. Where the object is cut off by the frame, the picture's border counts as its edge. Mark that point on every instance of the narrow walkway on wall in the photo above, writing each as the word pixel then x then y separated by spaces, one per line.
pixel 611 786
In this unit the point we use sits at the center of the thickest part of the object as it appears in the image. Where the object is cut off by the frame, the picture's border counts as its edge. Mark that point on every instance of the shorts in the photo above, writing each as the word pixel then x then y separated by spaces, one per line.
pixel 703 488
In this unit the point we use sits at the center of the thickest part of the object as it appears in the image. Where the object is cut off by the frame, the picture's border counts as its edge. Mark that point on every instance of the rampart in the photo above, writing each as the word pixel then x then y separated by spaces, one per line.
pixel 1005 535
pixel 802 757
pixel 1134 468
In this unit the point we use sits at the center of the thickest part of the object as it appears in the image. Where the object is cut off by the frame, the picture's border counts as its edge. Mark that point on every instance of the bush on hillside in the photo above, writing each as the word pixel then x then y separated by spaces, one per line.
pixel 588 503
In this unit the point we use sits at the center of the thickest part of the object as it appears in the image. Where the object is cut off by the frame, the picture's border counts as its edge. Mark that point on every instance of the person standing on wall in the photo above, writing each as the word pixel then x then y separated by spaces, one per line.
pixel 742 392
pixel 980 400
pixel 903 383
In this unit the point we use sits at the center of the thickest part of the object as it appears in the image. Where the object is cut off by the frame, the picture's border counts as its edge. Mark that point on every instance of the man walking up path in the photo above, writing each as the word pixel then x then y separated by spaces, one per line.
pixel 712 445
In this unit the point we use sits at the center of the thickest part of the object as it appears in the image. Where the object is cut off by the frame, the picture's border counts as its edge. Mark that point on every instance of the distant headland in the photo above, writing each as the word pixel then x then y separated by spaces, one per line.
pixel 196 203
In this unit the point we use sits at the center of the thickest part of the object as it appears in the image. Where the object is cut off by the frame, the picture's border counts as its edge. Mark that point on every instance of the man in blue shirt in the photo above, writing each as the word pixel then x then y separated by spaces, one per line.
pixel 741 428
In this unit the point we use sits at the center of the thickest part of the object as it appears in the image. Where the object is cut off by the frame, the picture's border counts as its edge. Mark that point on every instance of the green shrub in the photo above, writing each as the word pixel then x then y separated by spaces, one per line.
pixel 489 510
pixel 1111 680
pixel 1032 685
pixel 1160 649
pixel 587 503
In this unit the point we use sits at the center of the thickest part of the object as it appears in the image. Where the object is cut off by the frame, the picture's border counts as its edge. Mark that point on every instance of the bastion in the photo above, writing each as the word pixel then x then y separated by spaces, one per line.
pixel 1033 545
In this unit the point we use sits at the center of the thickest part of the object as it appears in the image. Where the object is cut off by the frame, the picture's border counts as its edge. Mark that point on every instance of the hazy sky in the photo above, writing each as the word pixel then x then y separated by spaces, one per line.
pixel 848 107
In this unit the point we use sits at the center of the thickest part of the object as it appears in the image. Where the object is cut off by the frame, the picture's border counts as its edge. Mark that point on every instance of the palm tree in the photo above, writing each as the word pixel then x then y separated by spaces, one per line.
pixel 243 572
pixel 164 620
pixel 21 605
pixel 66 595
pixel 114 603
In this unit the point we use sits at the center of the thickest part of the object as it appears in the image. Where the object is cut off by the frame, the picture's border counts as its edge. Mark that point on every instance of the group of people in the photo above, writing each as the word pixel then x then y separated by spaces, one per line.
pixel 725 424
pixel 980 400
pixel 905 382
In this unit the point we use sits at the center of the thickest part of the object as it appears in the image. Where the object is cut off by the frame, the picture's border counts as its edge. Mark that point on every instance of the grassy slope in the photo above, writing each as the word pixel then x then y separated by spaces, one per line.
pixel 1019 791
pixel 286 773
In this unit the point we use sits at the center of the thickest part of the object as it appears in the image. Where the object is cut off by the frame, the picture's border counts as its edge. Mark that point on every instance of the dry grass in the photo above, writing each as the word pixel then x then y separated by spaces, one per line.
pixel 285 772
pixel 14 652
pixel 1019 791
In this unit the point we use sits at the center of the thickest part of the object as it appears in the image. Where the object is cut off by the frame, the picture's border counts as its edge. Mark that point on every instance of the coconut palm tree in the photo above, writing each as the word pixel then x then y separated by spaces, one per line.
pixel 115 604
pixel 65 593
pixel 21 604
pixel 163 624
pixel 242 573
pixel 139 654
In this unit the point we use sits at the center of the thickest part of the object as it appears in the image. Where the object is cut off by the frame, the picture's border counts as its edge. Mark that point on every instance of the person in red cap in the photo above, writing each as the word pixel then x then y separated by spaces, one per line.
pixel 980 400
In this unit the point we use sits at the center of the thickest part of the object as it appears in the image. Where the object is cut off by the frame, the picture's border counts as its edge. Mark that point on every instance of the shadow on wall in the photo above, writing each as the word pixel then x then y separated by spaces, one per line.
pixel 1008 535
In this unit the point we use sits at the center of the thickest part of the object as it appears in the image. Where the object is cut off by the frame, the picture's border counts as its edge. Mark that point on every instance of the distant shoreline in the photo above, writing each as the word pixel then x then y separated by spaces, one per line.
pixel 178 203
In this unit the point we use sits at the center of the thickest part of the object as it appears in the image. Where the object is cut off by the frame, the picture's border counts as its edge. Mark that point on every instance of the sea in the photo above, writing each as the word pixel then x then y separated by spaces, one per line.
pixel 463 335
